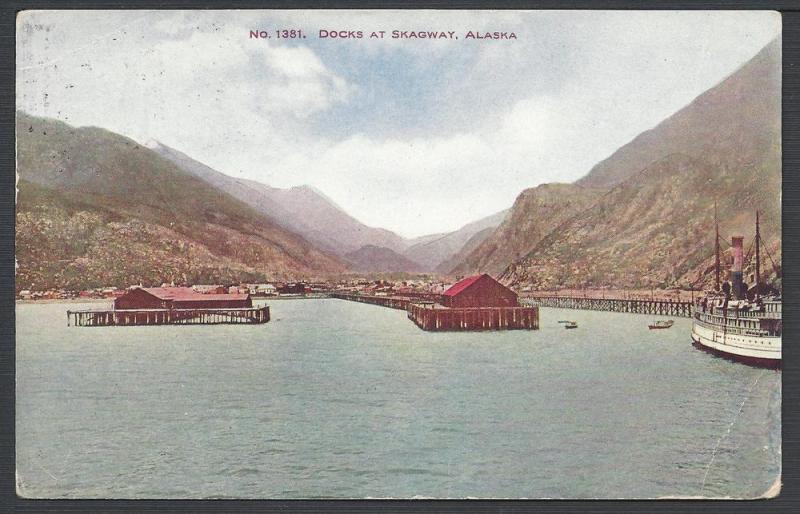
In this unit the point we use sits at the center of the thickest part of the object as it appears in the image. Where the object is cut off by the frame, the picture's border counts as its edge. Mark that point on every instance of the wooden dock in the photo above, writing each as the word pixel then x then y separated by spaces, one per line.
pixel 392 302
pixel 132 317
pixel 654 307
pixel 430 316
pixel 437 318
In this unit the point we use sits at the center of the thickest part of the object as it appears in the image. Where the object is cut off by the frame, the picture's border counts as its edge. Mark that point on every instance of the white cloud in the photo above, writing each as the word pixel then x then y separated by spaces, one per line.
pixel 224 99
pixel 302 83
pixel 574 87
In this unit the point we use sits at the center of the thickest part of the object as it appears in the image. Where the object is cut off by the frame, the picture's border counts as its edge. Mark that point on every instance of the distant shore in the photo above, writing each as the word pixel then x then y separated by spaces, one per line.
pixel 632 294
pixel 68 300
pixel 111 300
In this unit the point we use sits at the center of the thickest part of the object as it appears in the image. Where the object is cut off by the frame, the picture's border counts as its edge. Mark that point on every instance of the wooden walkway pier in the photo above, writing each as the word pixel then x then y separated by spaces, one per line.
pixel 654 307
pixel 437 318
pixel 132 317
pixel 430 316
pixel 392 302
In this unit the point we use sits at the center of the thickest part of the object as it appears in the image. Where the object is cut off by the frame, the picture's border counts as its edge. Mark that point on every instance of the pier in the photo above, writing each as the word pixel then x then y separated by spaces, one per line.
pixel 132 317
pixel 437 318
pixel 392 302
pixel 655 307
pixel 433 317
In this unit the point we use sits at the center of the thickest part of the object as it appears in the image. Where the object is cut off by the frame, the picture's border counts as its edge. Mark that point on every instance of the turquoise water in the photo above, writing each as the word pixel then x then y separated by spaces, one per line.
pixel 347 400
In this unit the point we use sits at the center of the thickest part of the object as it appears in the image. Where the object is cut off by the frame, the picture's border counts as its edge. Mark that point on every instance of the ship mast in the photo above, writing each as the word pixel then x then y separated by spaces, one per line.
pixel 716 246
pixel 758 254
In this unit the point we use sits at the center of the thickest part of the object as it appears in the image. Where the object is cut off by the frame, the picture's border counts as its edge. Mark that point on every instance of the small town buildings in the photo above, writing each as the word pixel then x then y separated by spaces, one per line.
pixel 292 288
pixel 262 289
pixel 318 287
pixel 108 292
pixel 179 298
pixel 479 291
pixel 209 288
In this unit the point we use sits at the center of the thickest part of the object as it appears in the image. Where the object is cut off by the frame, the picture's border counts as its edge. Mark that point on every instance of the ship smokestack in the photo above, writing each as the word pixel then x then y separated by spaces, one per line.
pixel 737 244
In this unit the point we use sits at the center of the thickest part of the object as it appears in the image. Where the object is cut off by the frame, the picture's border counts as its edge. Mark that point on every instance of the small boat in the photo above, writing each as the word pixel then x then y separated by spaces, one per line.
pixel 661 324
pixel 571 324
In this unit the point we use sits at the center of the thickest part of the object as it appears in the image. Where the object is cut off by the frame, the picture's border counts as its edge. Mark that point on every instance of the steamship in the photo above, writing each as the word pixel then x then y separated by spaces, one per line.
pixel 740 323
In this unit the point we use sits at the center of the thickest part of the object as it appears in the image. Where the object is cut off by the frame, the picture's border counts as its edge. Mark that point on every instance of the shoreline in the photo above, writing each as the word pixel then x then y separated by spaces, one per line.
pixel 111 300
pixel 632 294
pixel 65 300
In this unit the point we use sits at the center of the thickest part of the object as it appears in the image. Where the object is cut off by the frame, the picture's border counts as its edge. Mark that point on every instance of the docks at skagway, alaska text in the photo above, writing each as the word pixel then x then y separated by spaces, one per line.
pixel 381 34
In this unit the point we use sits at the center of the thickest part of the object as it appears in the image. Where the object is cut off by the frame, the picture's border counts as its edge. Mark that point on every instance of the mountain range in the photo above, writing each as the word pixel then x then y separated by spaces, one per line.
pixel 644 217
pixel 97 208
pixel 301 209
pixel 379 259
pixel 435 251
pixel 535 213
pixel 317 218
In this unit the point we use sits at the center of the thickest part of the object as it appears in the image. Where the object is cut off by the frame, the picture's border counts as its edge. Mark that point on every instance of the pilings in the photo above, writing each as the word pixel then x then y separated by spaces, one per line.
pixel 436 318
pixel 132 317
pixel 429 316
pixel 654 307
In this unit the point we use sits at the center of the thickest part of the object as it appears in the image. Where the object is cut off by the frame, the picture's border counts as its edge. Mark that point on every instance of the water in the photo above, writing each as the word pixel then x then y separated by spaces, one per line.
pixel 347 400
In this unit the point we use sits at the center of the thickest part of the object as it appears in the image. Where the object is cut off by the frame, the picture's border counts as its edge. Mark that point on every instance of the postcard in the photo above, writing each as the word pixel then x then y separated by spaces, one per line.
pixel 398 254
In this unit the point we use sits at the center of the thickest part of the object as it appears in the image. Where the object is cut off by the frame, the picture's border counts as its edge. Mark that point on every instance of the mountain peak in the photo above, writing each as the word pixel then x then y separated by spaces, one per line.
pixel 109 195
pixel 153 144
pixel 653 227
pixel 745 102
pixel 302 209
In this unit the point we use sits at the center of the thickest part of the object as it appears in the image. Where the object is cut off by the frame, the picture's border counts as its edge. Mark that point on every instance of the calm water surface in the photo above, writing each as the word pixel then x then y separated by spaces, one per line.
pixel 340 399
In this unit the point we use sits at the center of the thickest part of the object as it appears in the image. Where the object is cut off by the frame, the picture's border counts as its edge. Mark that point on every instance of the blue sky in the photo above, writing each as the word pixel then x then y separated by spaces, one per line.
pixel 414 136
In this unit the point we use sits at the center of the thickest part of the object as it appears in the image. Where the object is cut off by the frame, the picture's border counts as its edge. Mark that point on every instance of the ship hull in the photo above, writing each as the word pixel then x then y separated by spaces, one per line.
pixel 763 352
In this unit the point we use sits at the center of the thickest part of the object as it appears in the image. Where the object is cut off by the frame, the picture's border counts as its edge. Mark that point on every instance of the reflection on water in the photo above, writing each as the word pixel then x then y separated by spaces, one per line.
pixel 339 399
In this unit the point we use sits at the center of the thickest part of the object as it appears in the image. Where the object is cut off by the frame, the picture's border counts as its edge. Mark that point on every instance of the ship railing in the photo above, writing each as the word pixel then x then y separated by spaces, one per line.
pixel 734 314
pixel 759 333
pixel 718 319
pixel 736 330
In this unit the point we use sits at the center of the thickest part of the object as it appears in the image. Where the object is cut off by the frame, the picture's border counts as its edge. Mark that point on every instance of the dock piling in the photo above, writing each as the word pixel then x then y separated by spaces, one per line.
pixel 131 317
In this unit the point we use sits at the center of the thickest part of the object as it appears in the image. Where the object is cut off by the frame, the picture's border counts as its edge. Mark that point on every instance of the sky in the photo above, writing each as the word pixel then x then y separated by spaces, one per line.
pixel 418 136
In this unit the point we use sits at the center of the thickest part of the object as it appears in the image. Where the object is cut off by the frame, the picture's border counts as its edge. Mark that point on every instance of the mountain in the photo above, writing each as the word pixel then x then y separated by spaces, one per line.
pixel 644 217
pixel 536 212
pixel 96 208
pixel 300 209
pixel 729 126
pixel 431 251
pixel 310 213
pixel 656 229
pixel 447 265
pixel 377 259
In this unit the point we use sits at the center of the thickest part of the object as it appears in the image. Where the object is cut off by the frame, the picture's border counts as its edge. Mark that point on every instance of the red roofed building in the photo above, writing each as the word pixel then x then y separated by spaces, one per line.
pixel 479 291
pixel 179 298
